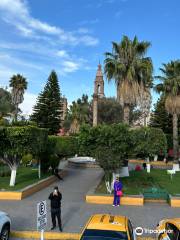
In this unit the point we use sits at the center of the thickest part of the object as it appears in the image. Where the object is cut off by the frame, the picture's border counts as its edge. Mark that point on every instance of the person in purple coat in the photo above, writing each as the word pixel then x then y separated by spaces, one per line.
pixel 117 188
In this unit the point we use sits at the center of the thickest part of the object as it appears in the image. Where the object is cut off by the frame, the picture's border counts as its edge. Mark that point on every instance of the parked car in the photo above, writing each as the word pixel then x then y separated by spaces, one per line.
pixel 169 229
pixel 5 225
pixel 105 226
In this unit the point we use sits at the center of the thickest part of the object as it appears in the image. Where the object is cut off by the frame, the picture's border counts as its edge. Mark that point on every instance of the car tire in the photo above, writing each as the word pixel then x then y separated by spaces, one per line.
pixel 5 233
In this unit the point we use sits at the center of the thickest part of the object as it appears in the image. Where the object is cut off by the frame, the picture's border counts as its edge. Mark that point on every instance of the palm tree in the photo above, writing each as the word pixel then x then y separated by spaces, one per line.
pixel 18 84
pixel 170 88
pixel 79 113
pixel 6 106
pixel 131 70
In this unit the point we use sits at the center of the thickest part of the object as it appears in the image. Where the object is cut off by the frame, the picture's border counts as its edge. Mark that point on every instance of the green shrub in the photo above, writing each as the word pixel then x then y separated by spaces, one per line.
pixel 109 144
pixel 23 123
pixel 26 159
pixel 58 148
pixel 115 136
pixel 148 141
pixel 65 146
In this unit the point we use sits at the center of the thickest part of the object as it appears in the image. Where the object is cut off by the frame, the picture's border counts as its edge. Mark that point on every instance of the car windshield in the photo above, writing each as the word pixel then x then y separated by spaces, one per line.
pixel 90 234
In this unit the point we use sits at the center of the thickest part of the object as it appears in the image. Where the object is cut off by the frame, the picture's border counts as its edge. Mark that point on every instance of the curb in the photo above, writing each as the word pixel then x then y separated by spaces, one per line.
pixel 131 200
pixel 47 235
pixel 55 235
pixel 29 190
pixel 174 201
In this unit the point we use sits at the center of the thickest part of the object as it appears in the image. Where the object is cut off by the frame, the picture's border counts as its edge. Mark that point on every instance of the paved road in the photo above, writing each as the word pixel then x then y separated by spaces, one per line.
pixel 75 212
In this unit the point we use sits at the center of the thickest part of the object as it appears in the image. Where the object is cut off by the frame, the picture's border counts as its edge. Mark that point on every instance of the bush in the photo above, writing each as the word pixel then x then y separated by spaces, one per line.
pixel 65 146
pixel 58 148
pixel 148 142
pixel 109 144
pixel 26 159
pixel 22 123
pixel 116 137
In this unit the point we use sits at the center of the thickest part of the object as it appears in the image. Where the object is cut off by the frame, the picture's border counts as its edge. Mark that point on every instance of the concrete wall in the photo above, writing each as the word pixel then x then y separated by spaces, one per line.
pixel 125 200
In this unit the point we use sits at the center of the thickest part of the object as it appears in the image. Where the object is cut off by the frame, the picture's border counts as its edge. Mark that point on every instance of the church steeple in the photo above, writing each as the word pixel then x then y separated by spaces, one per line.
pixel 99 83
pixel 98 93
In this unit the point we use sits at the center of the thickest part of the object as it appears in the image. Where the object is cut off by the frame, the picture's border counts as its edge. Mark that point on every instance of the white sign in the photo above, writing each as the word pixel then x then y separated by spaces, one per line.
pixel 41 215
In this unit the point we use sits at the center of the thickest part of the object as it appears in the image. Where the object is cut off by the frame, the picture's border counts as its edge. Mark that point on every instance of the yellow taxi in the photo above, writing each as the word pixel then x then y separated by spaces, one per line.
pixel 169 229
pixel 105 226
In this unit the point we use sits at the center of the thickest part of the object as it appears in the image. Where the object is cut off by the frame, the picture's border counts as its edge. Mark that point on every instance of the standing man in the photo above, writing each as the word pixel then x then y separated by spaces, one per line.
pixel 55 198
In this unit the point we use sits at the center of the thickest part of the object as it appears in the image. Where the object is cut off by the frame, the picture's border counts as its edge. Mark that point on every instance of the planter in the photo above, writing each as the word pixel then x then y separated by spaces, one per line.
pixel 133 200
pixel 29 190
pixel 175 201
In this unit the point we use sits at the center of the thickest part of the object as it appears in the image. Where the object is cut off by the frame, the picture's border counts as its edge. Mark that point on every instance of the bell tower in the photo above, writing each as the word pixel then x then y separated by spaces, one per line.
pixel 99 83
pixel 98 93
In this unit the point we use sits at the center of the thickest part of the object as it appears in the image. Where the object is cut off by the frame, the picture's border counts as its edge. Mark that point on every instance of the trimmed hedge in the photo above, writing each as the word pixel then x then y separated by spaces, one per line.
pixel 124 141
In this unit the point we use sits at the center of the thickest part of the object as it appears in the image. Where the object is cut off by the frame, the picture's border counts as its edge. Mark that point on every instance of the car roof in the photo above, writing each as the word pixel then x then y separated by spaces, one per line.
pixel 175 221
pixel 107 222
pixel 2 213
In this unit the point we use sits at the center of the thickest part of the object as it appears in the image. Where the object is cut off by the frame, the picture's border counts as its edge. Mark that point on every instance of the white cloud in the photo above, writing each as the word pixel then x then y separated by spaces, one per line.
pixel 62 53
pixel 89 40
pixel 9 60
pixel 14 7
pixel 87 22
pixel 28 103
pixel 83 30
pixel 16 13
pixel 69 66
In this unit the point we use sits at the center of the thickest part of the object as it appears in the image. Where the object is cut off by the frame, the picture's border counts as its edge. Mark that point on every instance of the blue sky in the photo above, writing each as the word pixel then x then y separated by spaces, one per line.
pixel 71 36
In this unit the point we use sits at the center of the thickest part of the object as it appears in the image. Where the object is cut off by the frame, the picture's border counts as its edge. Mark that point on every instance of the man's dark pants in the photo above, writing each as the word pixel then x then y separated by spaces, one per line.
pixel 56 213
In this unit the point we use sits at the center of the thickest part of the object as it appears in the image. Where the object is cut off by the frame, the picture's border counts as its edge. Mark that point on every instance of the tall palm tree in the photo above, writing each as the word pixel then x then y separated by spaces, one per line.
pixel 6 106
pixel 170 88
pixel 18 84
pixel 131 70
pixel 79 113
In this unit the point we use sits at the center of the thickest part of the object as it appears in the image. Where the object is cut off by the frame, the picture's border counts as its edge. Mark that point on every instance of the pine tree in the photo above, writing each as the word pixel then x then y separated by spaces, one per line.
pixel 47 111
pixel 160 117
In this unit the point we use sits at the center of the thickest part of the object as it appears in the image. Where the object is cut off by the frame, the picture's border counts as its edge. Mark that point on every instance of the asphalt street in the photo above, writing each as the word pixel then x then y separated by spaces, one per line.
pixel 75 211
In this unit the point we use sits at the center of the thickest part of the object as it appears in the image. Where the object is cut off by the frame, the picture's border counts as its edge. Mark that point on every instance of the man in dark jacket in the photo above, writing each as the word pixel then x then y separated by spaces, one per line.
pixel 55 198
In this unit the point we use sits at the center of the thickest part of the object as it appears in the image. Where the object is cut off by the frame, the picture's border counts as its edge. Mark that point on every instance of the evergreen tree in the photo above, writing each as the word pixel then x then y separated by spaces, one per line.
pixel 47 111
pixel 160 117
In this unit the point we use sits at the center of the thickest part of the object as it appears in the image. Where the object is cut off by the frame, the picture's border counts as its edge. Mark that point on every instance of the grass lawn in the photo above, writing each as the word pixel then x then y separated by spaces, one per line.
pixel 137 181
pixel 25 176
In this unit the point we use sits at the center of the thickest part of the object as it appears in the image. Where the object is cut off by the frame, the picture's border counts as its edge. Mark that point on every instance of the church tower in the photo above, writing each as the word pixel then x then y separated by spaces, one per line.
pixel 98 93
